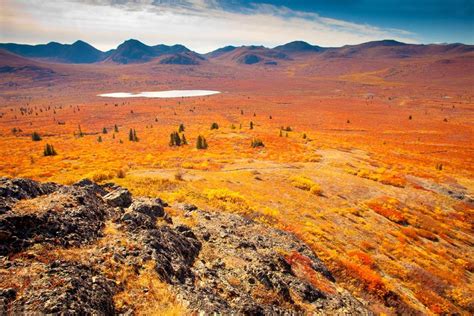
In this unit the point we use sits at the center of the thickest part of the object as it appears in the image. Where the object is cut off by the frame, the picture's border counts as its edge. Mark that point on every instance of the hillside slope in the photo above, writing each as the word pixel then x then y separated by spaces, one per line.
pixel 106 252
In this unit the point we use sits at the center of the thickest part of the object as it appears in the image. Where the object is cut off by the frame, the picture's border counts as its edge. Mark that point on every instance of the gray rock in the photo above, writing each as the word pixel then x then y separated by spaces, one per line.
pixel 149 207
pixel 119 198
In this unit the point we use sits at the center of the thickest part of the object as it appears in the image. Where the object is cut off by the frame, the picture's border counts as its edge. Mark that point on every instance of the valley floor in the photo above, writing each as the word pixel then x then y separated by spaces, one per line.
pixel 376 176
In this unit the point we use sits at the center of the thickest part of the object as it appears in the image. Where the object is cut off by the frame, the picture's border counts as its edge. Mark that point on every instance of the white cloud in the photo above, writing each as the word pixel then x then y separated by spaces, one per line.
pixel 202 25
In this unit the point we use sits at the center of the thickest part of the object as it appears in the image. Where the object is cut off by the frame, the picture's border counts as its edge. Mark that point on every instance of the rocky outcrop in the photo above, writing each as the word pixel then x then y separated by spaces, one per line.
pixel 79 290
pixel 221 264
pixel 48 213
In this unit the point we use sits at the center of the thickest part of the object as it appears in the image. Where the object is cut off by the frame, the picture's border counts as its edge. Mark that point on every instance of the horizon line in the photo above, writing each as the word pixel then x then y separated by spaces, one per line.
pixel 248 45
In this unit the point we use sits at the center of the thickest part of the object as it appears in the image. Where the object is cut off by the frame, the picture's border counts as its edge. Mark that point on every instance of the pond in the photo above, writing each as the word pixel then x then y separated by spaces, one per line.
pixel 160 94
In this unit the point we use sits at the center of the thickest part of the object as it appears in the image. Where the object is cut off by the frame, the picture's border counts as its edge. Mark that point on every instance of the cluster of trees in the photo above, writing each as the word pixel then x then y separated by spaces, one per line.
pixel 176 140
pixel 49 150
pixel 132 135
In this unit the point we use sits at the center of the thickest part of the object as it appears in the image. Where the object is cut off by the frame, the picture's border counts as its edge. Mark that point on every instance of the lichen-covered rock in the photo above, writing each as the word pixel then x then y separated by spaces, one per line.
pixel 222 264
pixel 248 268
pixel 151 207
pixel 13 190
pixel 67 216
pixel 119 198
pixel 78 290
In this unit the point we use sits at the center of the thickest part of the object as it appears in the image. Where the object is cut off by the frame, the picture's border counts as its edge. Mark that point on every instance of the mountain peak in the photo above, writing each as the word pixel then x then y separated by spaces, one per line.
pixel 298 46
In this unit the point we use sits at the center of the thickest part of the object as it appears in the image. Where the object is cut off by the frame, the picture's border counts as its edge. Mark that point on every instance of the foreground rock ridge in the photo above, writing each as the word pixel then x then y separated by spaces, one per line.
pixel 56 251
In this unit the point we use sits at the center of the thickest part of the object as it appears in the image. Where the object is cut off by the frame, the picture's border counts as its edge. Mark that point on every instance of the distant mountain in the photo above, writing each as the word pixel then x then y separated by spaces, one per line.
pixel 299 47
pixel 218 52
pixel 133 51
pixel 187 58
pixel 78 53
pixel 249 55
pixel 394 49
pixel 11 64
pixel 130 51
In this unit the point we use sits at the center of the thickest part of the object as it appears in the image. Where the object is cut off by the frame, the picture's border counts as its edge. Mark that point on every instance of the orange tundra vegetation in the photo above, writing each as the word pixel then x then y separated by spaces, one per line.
pixel 369 196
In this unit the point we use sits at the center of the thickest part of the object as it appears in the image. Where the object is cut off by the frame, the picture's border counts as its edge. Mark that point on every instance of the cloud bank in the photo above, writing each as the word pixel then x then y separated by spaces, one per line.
pixel 201 25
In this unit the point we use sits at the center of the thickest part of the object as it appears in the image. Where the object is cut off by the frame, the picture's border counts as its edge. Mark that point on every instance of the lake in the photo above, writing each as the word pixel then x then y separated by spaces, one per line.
pixel 160 94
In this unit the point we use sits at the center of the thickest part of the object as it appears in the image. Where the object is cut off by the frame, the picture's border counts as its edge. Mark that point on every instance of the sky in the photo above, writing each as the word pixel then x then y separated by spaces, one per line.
pixel 205 25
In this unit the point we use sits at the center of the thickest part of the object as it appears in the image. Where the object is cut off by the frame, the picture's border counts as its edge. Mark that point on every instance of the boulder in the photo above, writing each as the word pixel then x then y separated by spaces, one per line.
pixel 119 198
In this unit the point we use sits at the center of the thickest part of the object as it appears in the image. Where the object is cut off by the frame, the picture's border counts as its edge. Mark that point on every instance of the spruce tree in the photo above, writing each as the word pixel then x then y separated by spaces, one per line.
pixel 135 138
pixel 99 139
pixel 183 140
pixel 116 130
pixel 130 135
pixel 49 150
pixel 251 125
pixel 181 128
pixel 172 143
pixel 177 139
pixel 80 133
pixel 35 137
pixel 257 143
pixel 104 130
pixel 214 126
pixel 201 142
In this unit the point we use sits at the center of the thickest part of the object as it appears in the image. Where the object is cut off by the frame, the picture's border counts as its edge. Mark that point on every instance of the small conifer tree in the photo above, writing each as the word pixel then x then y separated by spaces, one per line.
pixel 175 140
pixel 104 130
pixel 201 142
pixel 132 135
pixel 251 125
pixel 116 130
pixel 80 133
pixel 214 126
pixel 99 139
pixel 49 150
pixel 181 128
pixel 35 137
pixel 257 143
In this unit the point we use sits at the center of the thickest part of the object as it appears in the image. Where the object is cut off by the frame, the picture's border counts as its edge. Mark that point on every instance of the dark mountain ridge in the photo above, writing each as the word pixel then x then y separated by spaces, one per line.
pixel 77 53
pixel 134 51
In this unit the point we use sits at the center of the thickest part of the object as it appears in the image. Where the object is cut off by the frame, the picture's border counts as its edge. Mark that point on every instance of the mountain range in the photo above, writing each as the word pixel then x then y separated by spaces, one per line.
pixel 133 51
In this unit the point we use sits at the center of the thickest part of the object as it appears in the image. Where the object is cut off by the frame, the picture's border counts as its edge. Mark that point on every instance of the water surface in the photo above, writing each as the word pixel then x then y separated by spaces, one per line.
pixel 160 94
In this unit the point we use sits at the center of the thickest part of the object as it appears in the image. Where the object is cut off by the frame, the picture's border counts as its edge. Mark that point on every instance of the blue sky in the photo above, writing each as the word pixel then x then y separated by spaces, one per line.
pixel 432 20
pixel 204 25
